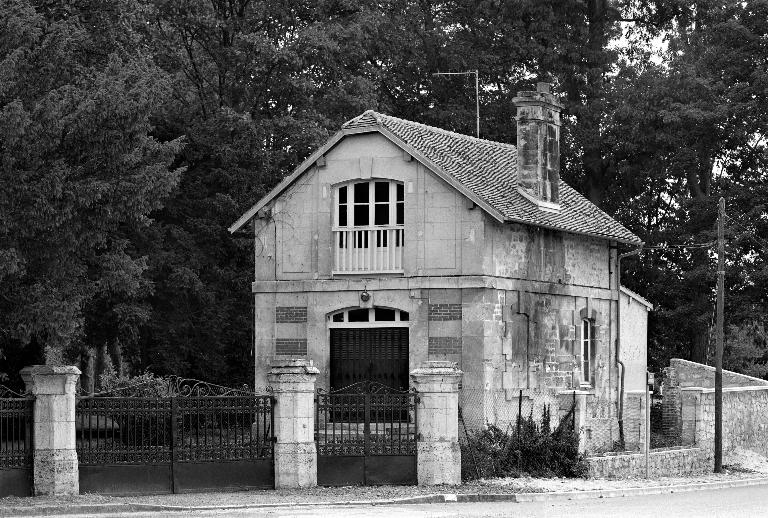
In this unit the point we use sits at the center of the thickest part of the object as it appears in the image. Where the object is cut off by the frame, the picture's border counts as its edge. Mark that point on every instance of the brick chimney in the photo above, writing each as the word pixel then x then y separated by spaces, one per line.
pixel 538 146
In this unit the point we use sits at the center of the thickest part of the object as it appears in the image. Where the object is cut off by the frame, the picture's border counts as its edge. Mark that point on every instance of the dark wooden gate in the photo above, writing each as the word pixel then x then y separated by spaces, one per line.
pixel 15 443
pixel 366 435
pixel 188 436
pixel 377 354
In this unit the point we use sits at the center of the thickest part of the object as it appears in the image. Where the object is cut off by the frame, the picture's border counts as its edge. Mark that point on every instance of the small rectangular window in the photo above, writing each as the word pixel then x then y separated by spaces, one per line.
pixel 586 351
pixel 404 316
pixel 338 317
pixel 400 192
pixel 342 215
pixel 384 315
pixel 343 194
pixel 381 214
pixel 400 214
pixel 381 192
pixel 361 192
pixel 361 216
pixel 358 315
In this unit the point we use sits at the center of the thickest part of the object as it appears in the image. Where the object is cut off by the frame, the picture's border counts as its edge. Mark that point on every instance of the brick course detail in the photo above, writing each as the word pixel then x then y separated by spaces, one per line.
pixel 445 311
pixel 290 314
pixel 444 345
pixel 291 346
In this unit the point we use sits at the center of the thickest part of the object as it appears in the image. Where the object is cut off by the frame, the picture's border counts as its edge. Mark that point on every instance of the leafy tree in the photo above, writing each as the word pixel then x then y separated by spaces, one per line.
pixel 79 174
pixel 695 128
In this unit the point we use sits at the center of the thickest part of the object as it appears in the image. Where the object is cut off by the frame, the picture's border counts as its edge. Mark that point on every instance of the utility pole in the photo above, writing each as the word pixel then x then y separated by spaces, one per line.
pixel 647 421
pixel 719 352
pixel 477 92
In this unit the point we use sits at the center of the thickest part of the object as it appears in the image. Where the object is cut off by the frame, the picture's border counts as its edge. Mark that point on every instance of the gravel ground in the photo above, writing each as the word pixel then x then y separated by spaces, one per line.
pixel 311 495
pixel 742 465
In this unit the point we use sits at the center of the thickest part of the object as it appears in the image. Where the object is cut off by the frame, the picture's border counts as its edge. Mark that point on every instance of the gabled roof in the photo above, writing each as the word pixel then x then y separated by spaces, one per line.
pixel 483 170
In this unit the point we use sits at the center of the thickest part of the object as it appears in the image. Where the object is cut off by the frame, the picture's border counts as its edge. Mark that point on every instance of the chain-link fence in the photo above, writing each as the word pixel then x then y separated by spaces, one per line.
pixel 666 412
pixel 501 408
pixel 596 418
pixel 506 433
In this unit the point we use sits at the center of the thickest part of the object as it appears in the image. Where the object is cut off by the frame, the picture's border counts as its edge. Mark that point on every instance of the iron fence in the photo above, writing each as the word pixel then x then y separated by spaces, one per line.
pixel 189 422
pixel 15 429
pixel 223 428
pixel 366 418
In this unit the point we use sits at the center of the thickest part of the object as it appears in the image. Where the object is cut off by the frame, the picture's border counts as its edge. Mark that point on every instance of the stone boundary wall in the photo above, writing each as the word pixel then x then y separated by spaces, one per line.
pixel 745 418
pixel 682 375
pixel 692 374
pixel 661 463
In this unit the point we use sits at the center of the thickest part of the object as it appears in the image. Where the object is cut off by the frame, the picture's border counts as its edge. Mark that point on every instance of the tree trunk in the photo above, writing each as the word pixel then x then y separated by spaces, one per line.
pixel 593 162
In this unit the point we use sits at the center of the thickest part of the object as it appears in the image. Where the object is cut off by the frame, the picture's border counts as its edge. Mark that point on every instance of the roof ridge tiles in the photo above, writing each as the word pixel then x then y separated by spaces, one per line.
pixel 381 117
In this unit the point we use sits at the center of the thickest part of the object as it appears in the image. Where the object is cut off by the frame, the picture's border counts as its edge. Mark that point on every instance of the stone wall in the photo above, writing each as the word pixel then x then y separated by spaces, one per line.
pixel 745 418
pixel 682 375
pixel 692 374
pixel 662 463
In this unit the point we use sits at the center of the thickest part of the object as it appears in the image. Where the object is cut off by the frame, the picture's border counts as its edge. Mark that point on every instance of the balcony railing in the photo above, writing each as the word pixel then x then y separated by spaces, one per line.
pixel 369 249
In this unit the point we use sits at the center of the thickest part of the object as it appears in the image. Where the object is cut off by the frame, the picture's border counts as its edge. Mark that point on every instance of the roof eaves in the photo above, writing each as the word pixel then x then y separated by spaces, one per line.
pixel 597 235
pixel 642 300
pixel 283 185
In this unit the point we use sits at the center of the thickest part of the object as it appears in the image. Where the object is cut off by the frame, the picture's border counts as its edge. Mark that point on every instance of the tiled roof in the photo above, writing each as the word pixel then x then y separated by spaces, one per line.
pixel 489 170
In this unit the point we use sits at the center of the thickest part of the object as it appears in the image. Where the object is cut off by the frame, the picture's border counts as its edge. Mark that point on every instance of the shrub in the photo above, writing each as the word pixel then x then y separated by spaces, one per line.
pixel 527 448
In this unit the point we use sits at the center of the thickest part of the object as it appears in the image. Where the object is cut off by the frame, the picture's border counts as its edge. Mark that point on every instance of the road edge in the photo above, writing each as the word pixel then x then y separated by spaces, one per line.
pixel 553 496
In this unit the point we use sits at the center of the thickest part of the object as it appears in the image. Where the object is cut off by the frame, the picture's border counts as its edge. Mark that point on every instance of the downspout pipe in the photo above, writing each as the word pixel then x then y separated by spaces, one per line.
pixel 620 363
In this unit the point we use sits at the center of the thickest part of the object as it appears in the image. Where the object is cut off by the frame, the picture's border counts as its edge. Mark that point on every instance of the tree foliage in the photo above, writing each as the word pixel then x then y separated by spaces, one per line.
pixel 79 173
pixel 135 131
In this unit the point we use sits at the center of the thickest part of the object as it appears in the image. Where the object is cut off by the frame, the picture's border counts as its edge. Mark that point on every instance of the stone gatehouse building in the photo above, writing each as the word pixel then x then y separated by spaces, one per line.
pixel 397 242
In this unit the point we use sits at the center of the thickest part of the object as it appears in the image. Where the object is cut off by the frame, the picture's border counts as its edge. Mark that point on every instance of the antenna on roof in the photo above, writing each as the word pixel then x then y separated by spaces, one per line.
pixel 477 91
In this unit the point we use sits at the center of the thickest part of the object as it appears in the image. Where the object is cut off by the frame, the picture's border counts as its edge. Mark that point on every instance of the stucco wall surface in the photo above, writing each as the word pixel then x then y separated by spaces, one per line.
pixel 634 340
pixel 443 233
pixel 538 254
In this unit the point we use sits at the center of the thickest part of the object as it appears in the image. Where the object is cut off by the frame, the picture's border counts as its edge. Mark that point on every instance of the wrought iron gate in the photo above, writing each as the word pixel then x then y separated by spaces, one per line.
pixel 366 434
pixel 187 436
pixel 15 443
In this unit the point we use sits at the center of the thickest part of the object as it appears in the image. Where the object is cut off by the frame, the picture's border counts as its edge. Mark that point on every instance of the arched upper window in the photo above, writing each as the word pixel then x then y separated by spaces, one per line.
pixel 370 203
pixel 369 317
pixel 369 232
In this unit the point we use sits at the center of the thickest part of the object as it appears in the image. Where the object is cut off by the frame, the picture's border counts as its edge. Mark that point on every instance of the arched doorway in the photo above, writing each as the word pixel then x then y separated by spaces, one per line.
pixel 369 344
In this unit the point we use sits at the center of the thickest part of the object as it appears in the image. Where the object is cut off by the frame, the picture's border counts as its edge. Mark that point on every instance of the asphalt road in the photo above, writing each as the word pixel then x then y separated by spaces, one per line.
pixel 741 502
